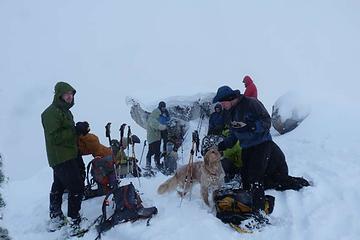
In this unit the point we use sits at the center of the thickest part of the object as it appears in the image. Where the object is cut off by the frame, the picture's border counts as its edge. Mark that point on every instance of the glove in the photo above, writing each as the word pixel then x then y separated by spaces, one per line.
pixel 221 146
pixel 82 128
pixel 162 127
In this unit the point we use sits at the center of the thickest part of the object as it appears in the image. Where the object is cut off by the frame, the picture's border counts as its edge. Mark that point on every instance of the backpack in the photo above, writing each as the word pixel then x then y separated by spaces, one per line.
pixel 236 205
pixel 127 207
pixel 170 159
pixel 102 170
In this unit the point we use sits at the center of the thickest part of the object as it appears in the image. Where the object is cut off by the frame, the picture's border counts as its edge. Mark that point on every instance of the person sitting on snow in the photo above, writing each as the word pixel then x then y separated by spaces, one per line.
pixel 264 164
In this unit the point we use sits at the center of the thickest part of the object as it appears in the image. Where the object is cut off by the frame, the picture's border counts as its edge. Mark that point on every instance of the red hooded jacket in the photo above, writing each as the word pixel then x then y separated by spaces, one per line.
pixel 250 88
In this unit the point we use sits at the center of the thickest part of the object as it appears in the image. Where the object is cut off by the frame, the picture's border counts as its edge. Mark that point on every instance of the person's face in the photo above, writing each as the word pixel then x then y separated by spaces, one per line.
pixel 245 84
pixel 217 109
pixel 68 97
pixel 162 109
pixel 226 105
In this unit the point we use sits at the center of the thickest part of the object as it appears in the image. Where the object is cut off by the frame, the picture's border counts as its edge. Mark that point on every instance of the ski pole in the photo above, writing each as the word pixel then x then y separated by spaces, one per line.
pixel 107 132
pixel 134 162
pixel 142 152
pixel 128 148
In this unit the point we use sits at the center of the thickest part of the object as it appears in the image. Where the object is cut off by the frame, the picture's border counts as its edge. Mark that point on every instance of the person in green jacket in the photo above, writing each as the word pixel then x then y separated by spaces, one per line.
pixel 62 152
pixel 154 128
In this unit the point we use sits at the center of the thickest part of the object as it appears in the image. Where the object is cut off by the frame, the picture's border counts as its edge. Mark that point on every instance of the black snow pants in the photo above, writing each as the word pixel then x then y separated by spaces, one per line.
pixel 67 175
pixel 154 149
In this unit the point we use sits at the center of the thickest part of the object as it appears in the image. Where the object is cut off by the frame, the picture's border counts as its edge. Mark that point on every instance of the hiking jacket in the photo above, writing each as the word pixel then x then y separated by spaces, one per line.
pixel 250 90
pixel 59 128
pixel 216 123
pixel 154 126
pixel 234 154
pixel 252 112
pixel 90 144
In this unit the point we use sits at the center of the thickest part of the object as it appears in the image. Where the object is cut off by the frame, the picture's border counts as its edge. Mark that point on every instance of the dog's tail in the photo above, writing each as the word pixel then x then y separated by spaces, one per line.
pixel 168 185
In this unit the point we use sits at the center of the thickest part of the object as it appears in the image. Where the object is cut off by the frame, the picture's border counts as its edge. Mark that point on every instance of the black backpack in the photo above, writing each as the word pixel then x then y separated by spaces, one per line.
pixel 127 207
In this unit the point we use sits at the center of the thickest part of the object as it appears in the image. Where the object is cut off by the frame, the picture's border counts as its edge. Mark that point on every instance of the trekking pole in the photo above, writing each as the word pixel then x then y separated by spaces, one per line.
pixel 189 171
pixel 182 147
pixel 202 116
pixel 122 127
pixel 142 152
pixel 107 134
pixel 128 148
pixel 134 161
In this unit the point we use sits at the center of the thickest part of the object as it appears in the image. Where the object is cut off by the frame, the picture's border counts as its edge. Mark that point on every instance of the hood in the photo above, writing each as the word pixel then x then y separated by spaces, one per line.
pixel 247 80
pixel 60 89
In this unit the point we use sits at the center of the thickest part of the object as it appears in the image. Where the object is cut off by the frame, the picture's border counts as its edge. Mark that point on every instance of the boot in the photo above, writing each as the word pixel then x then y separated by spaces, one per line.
pixel 55 204
pixel 56 222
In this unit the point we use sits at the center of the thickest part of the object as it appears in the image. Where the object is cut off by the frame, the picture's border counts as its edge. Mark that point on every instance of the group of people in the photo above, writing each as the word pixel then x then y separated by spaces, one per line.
pixel 241 118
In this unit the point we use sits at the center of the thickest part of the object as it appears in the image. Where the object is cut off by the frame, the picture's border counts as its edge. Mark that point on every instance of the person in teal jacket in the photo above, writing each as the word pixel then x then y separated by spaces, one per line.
pixel 154 128
pixel 62 152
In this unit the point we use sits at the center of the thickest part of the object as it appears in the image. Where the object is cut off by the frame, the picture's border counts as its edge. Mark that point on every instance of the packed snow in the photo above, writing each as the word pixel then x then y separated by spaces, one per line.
pixel 152 50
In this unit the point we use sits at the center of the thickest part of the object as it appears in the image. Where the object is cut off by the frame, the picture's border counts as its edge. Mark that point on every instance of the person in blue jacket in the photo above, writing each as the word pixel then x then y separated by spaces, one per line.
pixel 216 121
pixel 264 164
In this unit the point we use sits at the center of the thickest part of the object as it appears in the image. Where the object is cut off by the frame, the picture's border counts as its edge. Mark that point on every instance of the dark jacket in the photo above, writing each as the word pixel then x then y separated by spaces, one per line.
pixel 216 123
pixel 252 112
pixel 59 128
pixel 251 90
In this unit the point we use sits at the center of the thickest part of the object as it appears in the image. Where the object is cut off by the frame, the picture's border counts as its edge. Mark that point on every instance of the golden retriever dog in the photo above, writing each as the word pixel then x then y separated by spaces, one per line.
pixel 209 173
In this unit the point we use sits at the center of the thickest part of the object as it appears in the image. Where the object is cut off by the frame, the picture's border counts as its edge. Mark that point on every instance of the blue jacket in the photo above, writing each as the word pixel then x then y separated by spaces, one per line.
pixel 252 112
pixel 164 117
pixel 216 123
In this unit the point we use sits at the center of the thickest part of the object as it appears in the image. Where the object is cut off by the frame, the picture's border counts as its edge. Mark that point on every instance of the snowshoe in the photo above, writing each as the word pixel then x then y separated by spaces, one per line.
pixel 56 223
pixel 149 172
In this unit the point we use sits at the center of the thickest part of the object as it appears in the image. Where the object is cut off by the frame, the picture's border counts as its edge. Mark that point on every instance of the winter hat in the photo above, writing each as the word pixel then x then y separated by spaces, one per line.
pixel 218 105
pixel 225 93
pixel 162 104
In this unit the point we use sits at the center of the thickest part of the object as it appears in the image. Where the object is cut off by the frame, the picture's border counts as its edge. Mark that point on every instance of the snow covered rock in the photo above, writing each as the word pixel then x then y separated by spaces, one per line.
pixel 288 112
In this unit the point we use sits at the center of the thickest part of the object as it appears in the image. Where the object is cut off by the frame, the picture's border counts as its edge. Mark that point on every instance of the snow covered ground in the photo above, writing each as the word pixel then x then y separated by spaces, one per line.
pixel 151 50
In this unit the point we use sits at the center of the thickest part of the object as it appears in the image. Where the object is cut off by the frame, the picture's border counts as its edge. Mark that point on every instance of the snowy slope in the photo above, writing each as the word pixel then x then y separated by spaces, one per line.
pixel 156 49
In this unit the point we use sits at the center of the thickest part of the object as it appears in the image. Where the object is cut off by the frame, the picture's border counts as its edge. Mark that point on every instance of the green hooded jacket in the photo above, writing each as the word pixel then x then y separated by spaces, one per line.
pixel 59 128
pixel 154 126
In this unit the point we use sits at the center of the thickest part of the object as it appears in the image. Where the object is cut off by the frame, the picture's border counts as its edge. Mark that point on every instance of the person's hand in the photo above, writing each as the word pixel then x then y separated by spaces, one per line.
pixel 82 128
pixel 162 127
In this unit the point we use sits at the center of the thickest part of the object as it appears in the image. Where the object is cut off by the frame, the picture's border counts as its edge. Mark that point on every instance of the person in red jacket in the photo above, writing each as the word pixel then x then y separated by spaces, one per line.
pixel 250 88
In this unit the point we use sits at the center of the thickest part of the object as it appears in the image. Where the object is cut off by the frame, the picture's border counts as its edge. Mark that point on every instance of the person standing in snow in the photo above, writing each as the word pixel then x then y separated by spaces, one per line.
pixel 216 121
pixel 264 164
pixel 164 120
pixel 154 128
pixel 61 137
pixel 250 88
